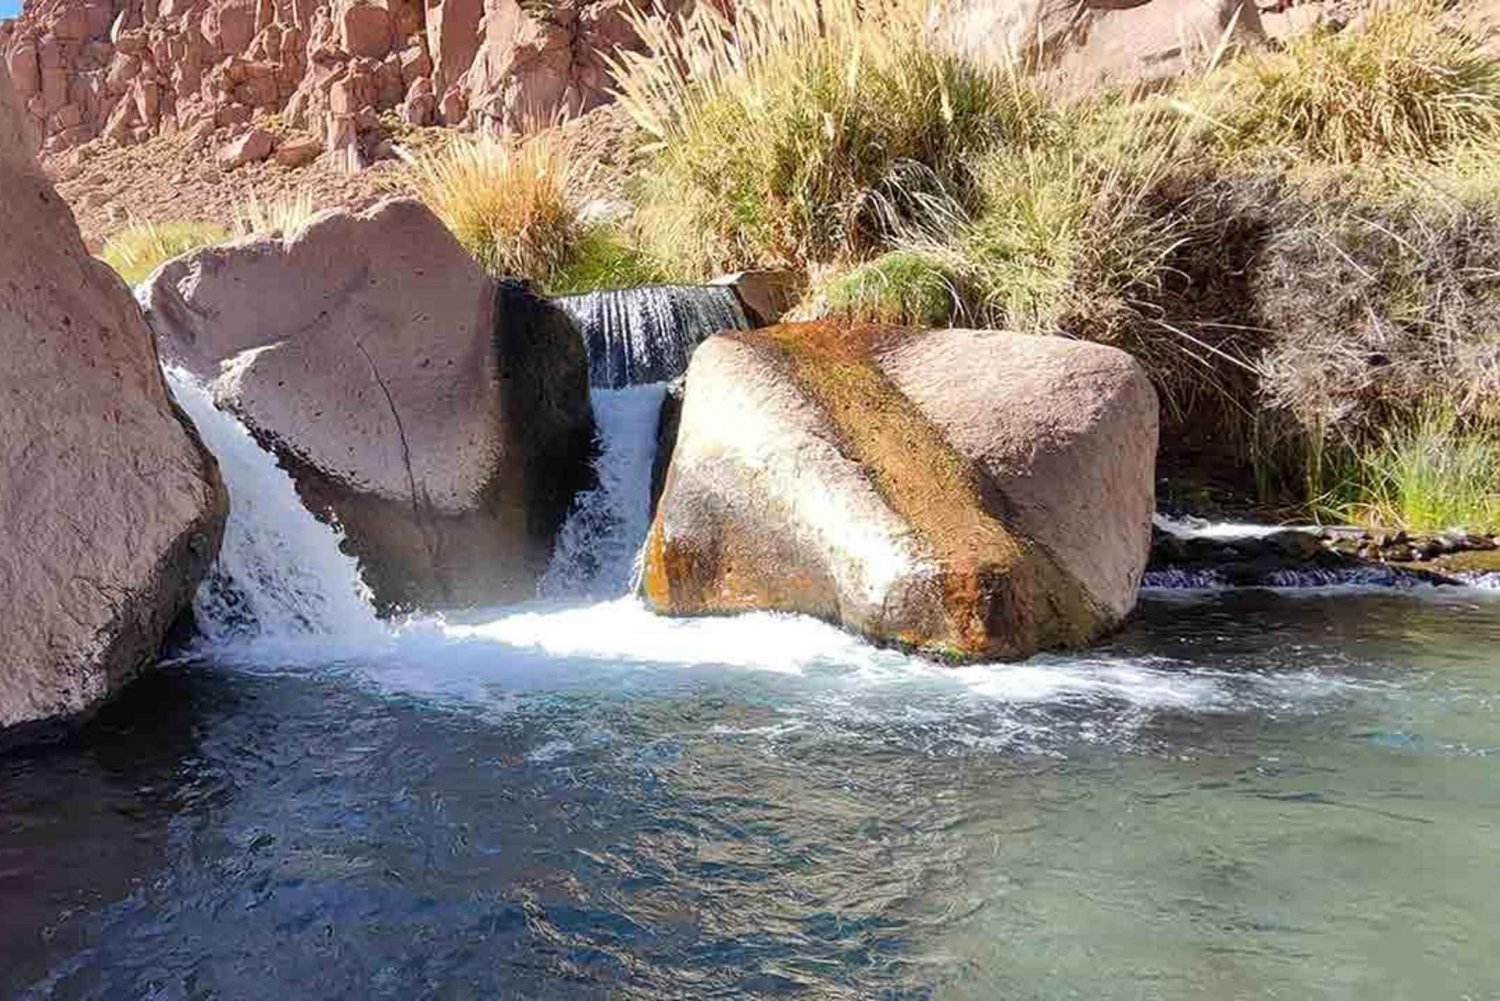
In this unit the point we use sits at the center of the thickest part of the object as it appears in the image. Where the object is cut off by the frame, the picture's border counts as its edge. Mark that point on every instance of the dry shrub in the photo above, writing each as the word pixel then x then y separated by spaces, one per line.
pixel 507 199
pixel 282 215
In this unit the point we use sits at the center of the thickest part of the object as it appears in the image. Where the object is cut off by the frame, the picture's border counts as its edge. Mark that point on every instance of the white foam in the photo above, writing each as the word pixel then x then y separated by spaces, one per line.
pixel 595 553
pixel 281 573
pixel 1198 528
pixel 286 599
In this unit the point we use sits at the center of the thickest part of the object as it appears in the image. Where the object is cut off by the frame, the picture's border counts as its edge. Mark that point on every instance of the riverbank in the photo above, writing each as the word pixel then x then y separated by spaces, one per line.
pixel 1200 225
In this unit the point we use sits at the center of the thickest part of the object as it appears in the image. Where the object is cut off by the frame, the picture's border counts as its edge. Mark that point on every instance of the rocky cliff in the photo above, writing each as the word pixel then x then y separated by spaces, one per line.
pixel 130 69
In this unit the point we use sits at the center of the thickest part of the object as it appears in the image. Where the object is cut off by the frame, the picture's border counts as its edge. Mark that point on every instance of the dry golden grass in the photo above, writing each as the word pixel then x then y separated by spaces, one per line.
pixel 507 200
pixel 253 217
pixel 802 131
pixel 1409 81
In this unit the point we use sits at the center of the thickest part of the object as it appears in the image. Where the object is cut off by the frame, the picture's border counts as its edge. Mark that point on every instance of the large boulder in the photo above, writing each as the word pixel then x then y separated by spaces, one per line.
pixel 442 417
pixel 1086 45
pixel 111 510
pixel 971 494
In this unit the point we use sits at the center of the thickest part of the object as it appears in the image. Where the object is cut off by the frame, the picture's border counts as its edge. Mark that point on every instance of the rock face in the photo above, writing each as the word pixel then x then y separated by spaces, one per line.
pixel 130 69
pixel 111 510
pixel 973 494
pixel 1088 45
pixel 441 416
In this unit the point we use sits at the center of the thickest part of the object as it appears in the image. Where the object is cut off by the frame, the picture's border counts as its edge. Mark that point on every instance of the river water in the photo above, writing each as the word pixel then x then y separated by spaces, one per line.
pixel 1252 794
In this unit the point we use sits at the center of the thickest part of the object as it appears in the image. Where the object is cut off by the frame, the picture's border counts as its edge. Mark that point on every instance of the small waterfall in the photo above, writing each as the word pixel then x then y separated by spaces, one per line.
pixel 644 335
pixel 280 572
pixel 596 550
pixel 1208 578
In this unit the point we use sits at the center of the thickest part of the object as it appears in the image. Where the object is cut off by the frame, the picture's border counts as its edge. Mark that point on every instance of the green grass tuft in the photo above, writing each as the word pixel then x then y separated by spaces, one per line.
pixel 605 259
pixel 1430 473
pixel 141 247
pixel 906 287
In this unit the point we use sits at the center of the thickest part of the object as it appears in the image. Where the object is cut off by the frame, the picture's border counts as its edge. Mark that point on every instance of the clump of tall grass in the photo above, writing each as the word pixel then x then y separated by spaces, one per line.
pixel 800 132
pixel 1429 473
pixel 908 287
pixel 287 216
pixel 605 258
pixel 141 247
pixel 507 200
pixel 1409 81
pixel 1065 241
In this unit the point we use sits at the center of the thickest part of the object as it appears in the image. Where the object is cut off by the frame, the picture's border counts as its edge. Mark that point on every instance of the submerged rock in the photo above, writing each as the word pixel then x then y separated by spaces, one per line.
pixel 975 494
pixel 442 417
pixel 111 510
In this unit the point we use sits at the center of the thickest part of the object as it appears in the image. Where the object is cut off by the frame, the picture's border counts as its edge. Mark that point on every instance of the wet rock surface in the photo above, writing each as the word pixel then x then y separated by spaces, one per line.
pixel 940 490
pixel 1318 554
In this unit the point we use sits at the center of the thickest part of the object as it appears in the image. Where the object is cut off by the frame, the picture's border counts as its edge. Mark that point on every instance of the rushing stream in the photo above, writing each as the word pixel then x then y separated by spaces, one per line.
pixel 1252 794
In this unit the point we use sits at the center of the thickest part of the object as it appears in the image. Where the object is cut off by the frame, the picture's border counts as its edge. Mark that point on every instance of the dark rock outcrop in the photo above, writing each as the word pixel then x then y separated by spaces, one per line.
pixel 111 510
pixel 440 416
pixel 973 494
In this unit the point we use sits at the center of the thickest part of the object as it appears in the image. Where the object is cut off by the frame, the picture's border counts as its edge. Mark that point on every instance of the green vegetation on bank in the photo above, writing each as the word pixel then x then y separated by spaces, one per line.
pixel 1302 245
pixel 1431 472
pixel 141 247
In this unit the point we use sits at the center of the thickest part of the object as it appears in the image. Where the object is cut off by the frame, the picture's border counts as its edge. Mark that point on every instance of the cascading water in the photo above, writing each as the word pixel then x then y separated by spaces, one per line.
pixel 280 572
pixel 644 335
pixel 596 550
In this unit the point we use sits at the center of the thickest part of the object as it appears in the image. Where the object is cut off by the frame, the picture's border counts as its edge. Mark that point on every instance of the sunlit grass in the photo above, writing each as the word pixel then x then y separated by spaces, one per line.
pixel 141 247
pixel 1430 473
pixel 253 217
pixel 1408 81
pixel 507 200
pixel 802 132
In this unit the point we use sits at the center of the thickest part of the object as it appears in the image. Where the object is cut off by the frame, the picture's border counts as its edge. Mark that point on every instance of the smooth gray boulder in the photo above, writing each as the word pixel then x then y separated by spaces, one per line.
pixel 111 510
pixel 440 416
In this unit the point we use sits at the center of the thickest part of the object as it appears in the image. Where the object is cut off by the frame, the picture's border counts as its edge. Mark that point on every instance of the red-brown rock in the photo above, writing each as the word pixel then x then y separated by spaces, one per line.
pixel 252 147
